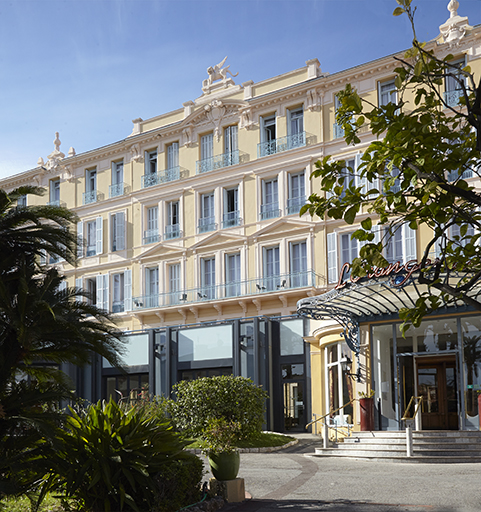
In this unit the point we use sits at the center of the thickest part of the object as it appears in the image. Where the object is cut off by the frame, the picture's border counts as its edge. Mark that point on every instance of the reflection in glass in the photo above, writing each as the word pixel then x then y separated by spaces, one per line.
pixel 428 388
pixel 293 405
pixel 292 371
pixel 472 360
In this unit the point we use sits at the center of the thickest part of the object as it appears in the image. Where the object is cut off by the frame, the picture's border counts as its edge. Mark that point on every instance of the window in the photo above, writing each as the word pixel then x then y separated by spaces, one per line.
pixel 453 89
pixel 295 128
pixel 207 214
pixel 271 267
pixel 174 283
pixel 208 290
pixel 22 201
pixel 268 136
pixel 54 193
pixel 296 191
pixel 173 221
pixel 230 145
pixel 341 248
pixel 232 275
pixel 401 245
pixel 90 236
pixel 298 265
pixel 118 285
pixel 150 162
pixel 173 155
pixel 206 146
pixel 387 92
pixel 152 287
pixel 338 130
pixel 151 234
pixel 102 291
pixel 453 233
pixel 231 208
pixel 90 194
pixel 117 227
pixel 270 199
pixel 91 288
pixel 117 186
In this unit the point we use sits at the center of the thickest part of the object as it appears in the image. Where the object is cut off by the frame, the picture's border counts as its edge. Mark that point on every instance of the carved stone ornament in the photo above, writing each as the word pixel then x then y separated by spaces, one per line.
pixel 56 156
pixel 215 113
pixel 246 120
pixel 68 173
pixel 313 100
pixel 135 154
pixel 456 26
pixel 188 134
pixel 217 77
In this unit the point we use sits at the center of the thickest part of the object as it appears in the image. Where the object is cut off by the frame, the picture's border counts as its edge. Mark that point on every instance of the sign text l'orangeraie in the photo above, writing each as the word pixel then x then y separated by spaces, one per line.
pixel 405 271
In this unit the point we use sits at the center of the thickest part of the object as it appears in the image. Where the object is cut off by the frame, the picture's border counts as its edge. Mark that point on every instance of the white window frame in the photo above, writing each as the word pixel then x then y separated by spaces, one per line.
pixel 391 92
pixel 231 139
pixel 150 162
pixel 117 170
pixel 172 155
pixel 83 235
pixel 117 231
pixel 207 277
pixel 295 120
pixel 54 191
pixel 206 146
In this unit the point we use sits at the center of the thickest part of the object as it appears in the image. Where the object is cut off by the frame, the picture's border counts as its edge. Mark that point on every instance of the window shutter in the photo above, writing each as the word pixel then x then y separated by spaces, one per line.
pixel 332 270
pixel 99 242
pixel 120 231
pixel 62 286
pixel 79 286
pixel 80 239
pixel 128 290
pixel 409 243
pixel 102 291
pixel 361 182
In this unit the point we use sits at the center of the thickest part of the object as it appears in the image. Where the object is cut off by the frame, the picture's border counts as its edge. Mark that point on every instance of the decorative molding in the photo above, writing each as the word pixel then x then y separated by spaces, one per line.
pixel 257 303
pixel 283 299
pixel 135 153
pixel 455 28
pixel 218 308
pixel 217 77
pixel 215 113
pixel 243 305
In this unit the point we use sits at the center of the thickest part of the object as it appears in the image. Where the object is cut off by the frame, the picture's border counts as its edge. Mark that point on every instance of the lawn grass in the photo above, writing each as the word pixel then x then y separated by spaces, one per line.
pixel 265 440
pixel 22 504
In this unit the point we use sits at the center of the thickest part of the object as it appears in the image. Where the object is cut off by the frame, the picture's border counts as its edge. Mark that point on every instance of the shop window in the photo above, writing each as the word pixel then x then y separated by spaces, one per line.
pixel 127 388
pixel 205 343
pixel 339 385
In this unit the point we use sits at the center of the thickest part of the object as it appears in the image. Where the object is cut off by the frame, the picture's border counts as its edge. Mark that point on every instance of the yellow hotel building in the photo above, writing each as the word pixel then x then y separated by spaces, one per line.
pixel 192 239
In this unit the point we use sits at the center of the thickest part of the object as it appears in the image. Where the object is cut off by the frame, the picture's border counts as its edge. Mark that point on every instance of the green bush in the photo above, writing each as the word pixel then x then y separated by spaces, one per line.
pixel 108 456
pixel 178 484
pixel 236 399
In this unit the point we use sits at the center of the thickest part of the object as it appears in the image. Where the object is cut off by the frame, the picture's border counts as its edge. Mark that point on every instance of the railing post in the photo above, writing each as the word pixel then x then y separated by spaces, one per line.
pixel 325 436
pixel 418 419
pixel 409 441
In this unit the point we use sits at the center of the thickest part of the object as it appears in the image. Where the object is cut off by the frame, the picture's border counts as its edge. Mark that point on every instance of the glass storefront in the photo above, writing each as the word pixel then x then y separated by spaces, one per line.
pixel 339 384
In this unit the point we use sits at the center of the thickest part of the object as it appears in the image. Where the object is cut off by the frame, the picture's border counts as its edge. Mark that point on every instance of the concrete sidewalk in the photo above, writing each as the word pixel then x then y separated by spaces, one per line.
pixel 291 480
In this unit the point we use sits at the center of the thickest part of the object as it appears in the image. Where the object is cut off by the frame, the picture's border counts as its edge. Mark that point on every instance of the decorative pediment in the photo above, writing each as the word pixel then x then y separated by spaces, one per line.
pixel 161 249
pixel 455 27
pixel 282 227
pixel 219 238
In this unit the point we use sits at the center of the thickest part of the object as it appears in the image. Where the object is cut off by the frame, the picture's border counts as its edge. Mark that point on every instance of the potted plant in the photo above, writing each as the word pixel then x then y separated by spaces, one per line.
pixel 219 444
pixel 366 402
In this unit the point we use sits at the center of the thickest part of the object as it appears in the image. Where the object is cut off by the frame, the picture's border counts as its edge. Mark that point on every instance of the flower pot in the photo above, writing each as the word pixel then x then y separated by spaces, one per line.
pixel 367 414
pixel 224 465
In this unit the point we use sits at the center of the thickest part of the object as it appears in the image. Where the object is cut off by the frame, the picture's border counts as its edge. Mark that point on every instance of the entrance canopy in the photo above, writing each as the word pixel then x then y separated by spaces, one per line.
pixel 374 298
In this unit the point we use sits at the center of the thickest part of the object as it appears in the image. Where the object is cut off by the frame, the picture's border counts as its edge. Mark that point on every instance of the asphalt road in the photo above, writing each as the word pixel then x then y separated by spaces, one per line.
pixel 290 480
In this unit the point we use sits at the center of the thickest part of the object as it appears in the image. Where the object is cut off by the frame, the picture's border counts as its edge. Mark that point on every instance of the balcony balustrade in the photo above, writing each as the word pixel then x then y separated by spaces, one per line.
pixel 281 144
pixel 257 286
pixel 206 224
pixel 452 97
pixel 294 204
pixel 172 231
pixel 231 219
pixel 269 211
pixel 116 190
pixel 89 197
pixel 172 174
pixel 217 162
pixel 151 236
pixel 55 202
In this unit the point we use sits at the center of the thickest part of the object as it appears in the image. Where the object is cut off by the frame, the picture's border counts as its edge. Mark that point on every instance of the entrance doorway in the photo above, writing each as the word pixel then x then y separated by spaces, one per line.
pixel 436 380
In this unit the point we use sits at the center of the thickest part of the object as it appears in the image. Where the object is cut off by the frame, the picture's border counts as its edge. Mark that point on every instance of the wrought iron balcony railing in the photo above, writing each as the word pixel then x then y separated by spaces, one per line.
pixel 294 204
pixel 206 224
pixel 118 307
pixel 151 236
pixel 231 219
pixel 89 197
pixel 279 283
pixel 172 174
pixel 172 231
pixel 452 97
pixel 217 162
pixel 269 211
pixel 281 144
pixel 116 190
pixel 55 202
pixel 454 175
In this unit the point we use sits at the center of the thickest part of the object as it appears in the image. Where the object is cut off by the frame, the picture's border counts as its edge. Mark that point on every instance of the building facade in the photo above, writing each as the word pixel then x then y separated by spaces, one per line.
pixel 192 239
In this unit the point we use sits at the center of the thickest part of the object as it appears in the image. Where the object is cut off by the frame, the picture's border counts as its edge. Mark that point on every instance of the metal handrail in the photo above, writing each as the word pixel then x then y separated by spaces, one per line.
pixel 331 412
pixel 419 404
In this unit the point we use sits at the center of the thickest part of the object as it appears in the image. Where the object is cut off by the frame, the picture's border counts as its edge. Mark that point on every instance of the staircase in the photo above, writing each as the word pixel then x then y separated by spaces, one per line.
pixel 429 446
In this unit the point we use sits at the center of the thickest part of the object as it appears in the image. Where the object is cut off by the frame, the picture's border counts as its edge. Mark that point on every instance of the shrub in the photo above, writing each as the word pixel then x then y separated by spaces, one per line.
pixel 108 455
pixel 236 399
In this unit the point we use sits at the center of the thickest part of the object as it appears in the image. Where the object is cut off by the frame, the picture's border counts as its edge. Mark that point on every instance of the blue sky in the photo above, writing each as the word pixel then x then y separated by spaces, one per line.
pixel 86 68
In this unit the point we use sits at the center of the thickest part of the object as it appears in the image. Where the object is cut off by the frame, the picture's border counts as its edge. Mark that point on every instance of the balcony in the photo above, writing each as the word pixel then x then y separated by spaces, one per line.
pixel 294 204
pixel 217 162
pixel 206 224
pixel 454 175
pixel 172 231
pixel 338 131
pixel 234 289
pixel 451 98
pixel 172 174
pixel 55 202
pixel 116 190
pixel 231 219
pixel 118 307
pixel 89 197
pixel 269 211
pixel 281 144
pixel 151 236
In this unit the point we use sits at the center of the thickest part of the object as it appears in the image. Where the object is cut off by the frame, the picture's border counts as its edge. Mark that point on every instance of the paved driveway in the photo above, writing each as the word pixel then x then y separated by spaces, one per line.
pixel 290 480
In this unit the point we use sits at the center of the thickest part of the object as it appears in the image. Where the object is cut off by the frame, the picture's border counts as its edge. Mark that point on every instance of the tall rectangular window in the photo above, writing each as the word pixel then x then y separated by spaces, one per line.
pixel 232 275
pixel 54 192
pixel 22 201
pixel 231 208
pixel 400 245
pixel 206 146
pixel 296 121
pixel 90 194
pixel 151 234
pixel 207 213
pixel 151 162
pixel 91 238
pixel 267 144
pixel 207 279
pixel 298 264
pixel 271 268
pixel 453 82
pixel 387 92
pixel 117 226
pixel 117 187
pixel 296 191
pixel 152 287
pixel 118 285
pixel 174 284
pixel 173 220
pixel 270 199
pixel 230 139
pixel 173 155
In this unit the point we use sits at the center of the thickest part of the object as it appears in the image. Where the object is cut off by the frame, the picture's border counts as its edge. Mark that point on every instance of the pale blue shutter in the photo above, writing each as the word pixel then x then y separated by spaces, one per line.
pixel 79 286
pixel 80 239
pixel 409 243
pixel 128 290
pixel 103 291
pixel 361 182
pixel 120 231
pixel 332 270
pixel 98 238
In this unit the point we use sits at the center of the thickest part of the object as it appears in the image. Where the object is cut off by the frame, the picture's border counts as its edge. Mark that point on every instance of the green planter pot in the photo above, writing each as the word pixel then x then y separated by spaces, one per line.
pixel 224 465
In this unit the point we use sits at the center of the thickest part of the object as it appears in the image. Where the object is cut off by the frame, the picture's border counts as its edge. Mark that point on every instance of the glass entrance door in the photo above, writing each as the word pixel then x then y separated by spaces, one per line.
pixel 437 384
pixel 293 396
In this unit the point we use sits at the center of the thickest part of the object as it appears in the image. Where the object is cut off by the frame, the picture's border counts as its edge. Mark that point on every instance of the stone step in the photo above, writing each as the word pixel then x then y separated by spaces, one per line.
pixel 402 458
pixel 460 447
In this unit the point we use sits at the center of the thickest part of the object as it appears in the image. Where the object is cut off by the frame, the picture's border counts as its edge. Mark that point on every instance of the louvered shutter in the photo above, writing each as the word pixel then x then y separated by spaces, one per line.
pixel 332 270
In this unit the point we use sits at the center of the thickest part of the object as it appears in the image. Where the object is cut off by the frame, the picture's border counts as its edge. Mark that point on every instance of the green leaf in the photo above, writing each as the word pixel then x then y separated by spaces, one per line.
pixel 398 11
